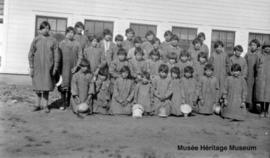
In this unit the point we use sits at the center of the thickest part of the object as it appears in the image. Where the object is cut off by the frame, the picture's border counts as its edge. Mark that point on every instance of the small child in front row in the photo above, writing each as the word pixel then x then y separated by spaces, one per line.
pixel 81 87
pixel 209 90
pixel 162 91
pixel 177 98
pixel 190 88
pixel 123 93
pixel 143 93
pixel 101 91
pixel 235 93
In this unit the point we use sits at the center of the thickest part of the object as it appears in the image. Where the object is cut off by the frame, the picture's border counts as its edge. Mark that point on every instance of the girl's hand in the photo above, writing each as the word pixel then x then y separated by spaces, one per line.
pixel 243 105
pixel 31 73
pixel 54 71
pixel 74 69
pixel 225 102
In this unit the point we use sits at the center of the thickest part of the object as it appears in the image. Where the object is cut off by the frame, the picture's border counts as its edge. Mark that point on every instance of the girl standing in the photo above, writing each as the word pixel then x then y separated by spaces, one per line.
pixel 44 63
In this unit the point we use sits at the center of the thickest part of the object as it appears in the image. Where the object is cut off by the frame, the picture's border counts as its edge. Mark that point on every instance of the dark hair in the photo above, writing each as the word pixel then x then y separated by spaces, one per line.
pixel 145 74
pixel 79 24
pixel 202 55
pixel 85 63
pixel 189 69
pixel 122 51
pixel 196 40
pixel 125 69
pixel 174 37
pixel 104 71
pixel 209 67
pixel 238 48
pixel 44 24
pixel 201 34
pixel 218 43
pixel 130 30
pixel 176 70
pixel 119 38
pixel 157 40
pixel 149 32
pixel 163 68
pixel 107 32
pixel 235 67
pixel 139 50
pixel 69 29
pixel 167 33
pixel 91 38
pixel 154 52
pixel 257 42
pixel 184 53
pixel 137 39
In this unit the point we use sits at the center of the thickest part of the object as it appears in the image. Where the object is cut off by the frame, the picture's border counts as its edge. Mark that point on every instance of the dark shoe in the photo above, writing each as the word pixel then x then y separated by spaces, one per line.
pixel 37 108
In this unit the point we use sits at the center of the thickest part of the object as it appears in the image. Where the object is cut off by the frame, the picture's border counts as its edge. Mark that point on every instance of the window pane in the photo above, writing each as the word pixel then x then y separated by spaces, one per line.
pixel 52 23
pixel 227 37
pixel 93 27
pixel 90 28
pixel 61 25
pixel 230 37
pixel 141 29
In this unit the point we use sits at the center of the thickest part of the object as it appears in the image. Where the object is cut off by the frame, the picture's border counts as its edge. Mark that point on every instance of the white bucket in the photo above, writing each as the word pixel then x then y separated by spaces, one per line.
pixel 217 109
pixel 83 107
pixel 162 112
pixel 137 111
pixel 185 109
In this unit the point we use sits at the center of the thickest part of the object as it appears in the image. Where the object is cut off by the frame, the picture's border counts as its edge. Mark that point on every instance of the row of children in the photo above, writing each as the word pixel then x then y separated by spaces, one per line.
pixel 111 78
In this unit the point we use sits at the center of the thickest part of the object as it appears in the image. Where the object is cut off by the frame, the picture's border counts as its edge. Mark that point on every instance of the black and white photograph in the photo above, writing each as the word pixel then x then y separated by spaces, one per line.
pixel 134 79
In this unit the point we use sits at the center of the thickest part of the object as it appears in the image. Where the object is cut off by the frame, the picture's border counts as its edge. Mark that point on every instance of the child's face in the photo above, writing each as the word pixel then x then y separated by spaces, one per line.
pixel 202 60
pixel 219 49
pixel 118 43
pixel 197 46
pixel 155 57
pixel 253 47
pixel 45 31
pixel 163 74
pixel 202 38
pixel 172 61
pixel 84 69
pixel 237 53
pixel 266 50
pixel 187 74
pixel 70 35
pixel 124 74
pixel 168 38
pixel 137 45
pixel 174 43
pixel 174 75
pixel 145 80
pixel 108 37
pixel 102 78
pixel 121 57
pixel 184 58
pixel 79 30
pixel 129 35
pixel 139 56
pixel 236 73
pixel 150 37
pixel 208 73
pixel 156 45
pixel 94 42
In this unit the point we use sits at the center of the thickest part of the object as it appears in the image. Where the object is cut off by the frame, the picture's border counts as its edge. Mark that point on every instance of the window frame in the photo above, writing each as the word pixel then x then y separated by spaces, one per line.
pixel 226 42
pixel 48 17
pixel 103 21
pixel 179 35
pixel 141 24
pixel 2 3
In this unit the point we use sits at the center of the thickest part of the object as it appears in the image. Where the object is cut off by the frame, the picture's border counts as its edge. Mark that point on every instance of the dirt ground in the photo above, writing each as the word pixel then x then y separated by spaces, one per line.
pixel 60 134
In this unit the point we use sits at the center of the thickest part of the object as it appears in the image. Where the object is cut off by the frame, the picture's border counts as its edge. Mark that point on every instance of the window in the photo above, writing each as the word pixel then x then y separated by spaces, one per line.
pixel 58 25
pixel 1 11
pixel 259 36
pixel 227 37
pixel 186 36
pixel 96 27
pixel 141 29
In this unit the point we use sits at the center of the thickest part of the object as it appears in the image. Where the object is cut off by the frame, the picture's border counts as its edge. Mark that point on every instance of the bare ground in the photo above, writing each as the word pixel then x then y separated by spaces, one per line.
pixel 60 134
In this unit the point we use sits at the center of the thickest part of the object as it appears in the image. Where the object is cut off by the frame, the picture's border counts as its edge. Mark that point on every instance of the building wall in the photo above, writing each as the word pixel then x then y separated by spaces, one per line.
pixel 242 16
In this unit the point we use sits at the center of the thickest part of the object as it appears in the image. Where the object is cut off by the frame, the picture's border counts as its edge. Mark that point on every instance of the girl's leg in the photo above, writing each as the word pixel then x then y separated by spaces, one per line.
pixel 266 113
pixel 38 102
pixel 46 101
pixel 262 109
pixel 63 100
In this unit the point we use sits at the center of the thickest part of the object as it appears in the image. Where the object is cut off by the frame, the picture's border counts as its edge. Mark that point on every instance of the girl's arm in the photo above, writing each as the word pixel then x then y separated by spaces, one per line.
pixel 75 88
pixel 225 91
pixel 131 92
pixel 57 57
pixel 31 56
pixel 116 94
pixel 217 90
pixel 244 90
pixel 80 57
pixel 245 69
